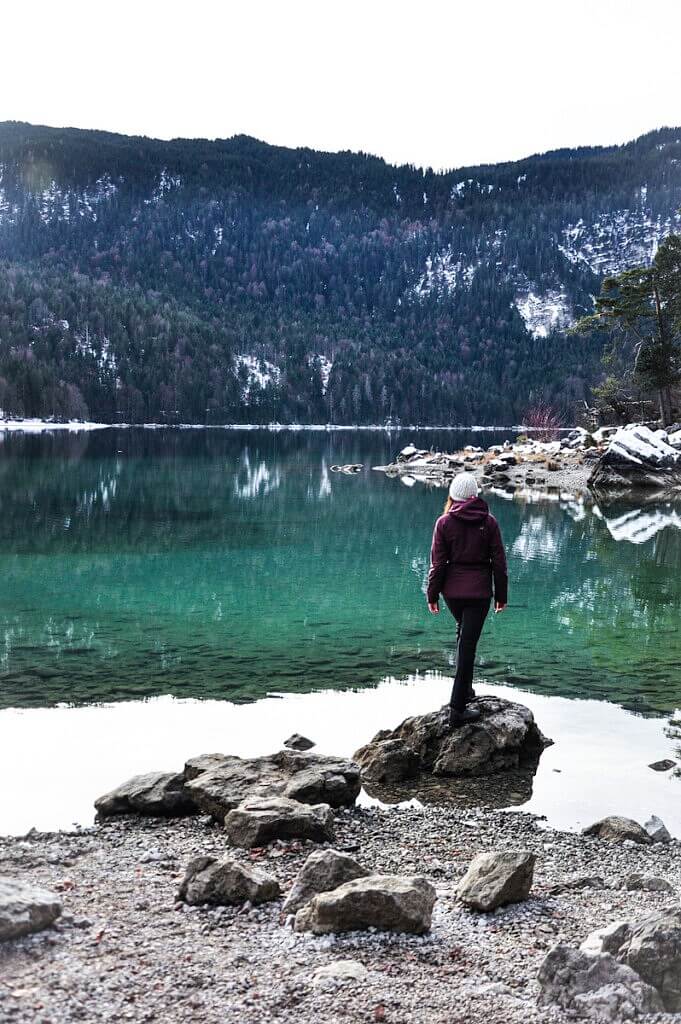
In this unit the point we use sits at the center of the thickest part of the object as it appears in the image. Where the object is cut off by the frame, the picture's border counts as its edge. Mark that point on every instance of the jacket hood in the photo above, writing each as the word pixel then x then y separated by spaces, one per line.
pixel 473 510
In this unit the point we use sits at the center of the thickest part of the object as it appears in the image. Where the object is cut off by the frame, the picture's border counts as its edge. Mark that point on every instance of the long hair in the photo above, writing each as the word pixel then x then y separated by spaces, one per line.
pixel 448 504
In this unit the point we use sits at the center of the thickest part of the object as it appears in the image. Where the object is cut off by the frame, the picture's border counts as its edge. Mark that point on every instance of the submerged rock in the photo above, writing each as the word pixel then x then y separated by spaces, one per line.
pixel 594 986
pixel 161 794
pixel 225 882
pixel 219 783
pixel 260 820
pixel 25 908
pixel 504 737
pixel 323 870
pixel 497 878
pixel 385 902
pixel 616 829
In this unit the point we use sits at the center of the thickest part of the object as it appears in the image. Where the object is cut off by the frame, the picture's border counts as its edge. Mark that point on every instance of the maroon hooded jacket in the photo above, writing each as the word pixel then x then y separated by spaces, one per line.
pixel 467 554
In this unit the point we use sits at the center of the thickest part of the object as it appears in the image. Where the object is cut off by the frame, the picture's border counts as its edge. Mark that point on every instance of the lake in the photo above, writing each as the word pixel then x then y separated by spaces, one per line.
pixel 210 570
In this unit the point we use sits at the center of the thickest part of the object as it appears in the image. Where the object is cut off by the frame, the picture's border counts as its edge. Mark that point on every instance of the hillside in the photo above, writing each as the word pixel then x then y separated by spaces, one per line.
pixel 235 281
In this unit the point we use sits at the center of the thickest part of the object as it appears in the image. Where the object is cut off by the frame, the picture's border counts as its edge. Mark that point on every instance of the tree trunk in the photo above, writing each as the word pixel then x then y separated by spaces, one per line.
pixel 665 399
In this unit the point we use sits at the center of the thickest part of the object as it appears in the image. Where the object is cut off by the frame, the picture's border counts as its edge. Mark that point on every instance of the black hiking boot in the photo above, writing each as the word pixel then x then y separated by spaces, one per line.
pixel 465 717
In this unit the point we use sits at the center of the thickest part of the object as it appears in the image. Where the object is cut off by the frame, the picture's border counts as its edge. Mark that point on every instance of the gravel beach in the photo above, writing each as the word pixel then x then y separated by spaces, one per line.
pixel 126 950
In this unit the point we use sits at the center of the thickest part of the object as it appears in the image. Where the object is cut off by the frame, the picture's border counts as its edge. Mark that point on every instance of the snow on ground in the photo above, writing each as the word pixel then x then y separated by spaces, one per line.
pixel 35 426
pixel 471 185
pixel 325 367
pixel 445 272
pixel 544 312
pixel 617 240
pixel 641 444
pixel 166 183
pixel 260 374
pixel 106 360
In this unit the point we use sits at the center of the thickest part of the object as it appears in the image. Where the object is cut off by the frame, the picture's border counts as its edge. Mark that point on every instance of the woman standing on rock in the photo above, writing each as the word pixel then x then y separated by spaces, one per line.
pixel 468 567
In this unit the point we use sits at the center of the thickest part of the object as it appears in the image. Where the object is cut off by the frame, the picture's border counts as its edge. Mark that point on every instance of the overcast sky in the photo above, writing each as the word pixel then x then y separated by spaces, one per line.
pixel 427 81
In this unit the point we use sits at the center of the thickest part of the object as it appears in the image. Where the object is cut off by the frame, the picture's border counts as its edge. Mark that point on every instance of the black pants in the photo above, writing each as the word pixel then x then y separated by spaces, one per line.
pixel 470 618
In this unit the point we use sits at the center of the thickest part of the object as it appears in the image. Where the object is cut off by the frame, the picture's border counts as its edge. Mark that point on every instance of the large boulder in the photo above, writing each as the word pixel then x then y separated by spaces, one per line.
pixel 653 949
pixel 594 986
pixel 505 736
pixel 385 902
pixel 226 881
pixel 637 457
pixel 323 870
pixel 161 794
pixel 657 830
pixel 497 878
pixel 387 760
pixel 218 783
pixel 616 829
pixel 260 820
pixel 25 908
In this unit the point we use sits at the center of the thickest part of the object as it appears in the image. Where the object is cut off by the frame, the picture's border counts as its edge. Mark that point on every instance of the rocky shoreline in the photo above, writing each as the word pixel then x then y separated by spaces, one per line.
pixel 228 892
pixel 125 948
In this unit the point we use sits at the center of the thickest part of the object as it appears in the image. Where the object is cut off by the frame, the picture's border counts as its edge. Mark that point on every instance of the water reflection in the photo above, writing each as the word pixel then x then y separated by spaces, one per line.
pixel 232 565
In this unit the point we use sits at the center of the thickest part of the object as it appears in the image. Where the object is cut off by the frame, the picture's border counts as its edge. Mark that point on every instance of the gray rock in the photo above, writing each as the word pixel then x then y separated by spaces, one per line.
pixel 662 766
pixel 616 829
pixel 226 881
pixel 385 902
pixel 506 736
pixel 647 883
pixel 597 987
pixel 220 783
pixel 636 458
pixel 608 939
pixel 497 878
pixel 386 761
pixel 578 882
pixel 161 794
pixel 323 870
pixel 260 820
pixel 339 972
pixel 653 950
pixel 25 908
pixel 657 830
pixel 298 742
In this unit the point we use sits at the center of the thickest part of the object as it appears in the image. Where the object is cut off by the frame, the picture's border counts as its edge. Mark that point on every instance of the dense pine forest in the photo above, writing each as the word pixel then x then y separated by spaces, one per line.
pixel 233 281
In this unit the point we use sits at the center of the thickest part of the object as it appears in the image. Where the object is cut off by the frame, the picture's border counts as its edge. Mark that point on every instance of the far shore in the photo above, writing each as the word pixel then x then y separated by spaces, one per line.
pixel 35 426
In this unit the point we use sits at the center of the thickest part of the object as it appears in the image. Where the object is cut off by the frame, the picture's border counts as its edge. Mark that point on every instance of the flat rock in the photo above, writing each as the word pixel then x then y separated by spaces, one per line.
pixel 594 986
pixel 258 821
pixel 647 883
pixel 662 766
pixel 339 972
pixel 385 902
pixel 226 881
pixel 506 736
pixel 25 908
pixel 160 794
pixel 298 742
pixel 322 871
pixel 219 783
pixel 608 939
pixel 497 878
pixel 616 829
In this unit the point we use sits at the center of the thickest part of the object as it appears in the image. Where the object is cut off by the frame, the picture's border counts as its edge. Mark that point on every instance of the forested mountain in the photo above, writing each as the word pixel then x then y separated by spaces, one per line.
pixel 232 281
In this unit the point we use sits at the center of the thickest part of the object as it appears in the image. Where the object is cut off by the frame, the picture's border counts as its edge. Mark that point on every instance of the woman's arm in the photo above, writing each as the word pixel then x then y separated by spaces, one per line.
pixel 439 559
pixel 499 568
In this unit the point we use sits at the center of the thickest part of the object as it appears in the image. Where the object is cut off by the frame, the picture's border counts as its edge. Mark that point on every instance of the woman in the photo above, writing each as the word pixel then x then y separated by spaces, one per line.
pixel 466 558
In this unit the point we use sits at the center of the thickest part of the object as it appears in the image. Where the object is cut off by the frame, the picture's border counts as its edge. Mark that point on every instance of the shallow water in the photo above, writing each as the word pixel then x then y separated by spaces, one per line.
pixel 226 566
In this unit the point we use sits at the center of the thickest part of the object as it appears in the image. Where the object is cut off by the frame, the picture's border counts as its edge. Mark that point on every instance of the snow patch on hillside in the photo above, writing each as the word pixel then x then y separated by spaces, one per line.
pixel 166 183
pixel 618 240
pixel 445 272
pixel 325 366
pixel 470 186
pixel 544 312
pixel 259 375
pixel 101 353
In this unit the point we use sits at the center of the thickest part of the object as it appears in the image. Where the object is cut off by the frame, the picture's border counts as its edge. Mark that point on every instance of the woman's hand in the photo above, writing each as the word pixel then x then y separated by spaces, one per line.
pixel 433 607
pixel 498 607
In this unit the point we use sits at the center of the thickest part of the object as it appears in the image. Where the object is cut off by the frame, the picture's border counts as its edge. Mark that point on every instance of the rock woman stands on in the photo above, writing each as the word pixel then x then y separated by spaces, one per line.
pixel 468 567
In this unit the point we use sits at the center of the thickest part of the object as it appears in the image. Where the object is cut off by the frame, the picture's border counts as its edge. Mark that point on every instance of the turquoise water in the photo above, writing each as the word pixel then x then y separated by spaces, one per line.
pixel 230 565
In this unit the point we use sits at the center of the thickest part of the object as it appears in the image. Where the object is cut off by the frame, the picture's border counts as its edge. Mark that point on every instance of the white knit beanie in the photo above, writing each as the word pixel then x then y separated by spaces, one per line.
pixel 463 486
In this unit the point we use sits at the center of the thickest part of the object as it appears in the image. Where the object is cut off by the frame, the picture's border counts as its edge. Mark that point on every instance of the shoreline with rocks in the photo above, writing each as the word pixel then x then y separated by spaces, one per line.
pixel 258 890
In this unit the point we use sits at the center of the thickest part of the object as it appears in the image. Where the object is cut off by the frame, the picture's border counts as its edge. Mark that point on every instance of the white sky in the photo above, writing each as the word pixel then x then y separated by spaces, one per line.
pixel 427 81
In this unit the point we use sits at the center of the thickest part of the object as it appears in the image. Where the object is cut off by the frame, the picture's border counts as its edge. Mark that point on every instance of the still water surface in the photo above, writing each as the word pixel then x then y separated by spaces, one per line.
pixel 221 566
